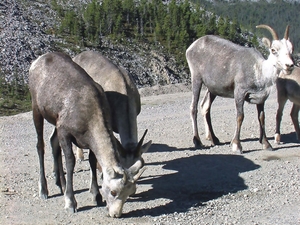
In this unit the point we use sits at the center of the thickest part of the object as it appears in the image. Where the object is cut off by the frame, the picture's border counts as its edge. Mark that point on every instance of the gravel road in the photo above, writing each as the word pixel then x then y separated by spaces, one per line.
pixel 181 185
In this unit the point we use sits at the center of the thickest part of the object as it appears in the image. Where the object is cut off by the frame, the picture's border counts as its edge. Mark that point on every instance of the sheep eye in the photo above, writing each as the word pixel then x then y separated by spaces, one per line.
pixel 113 193
pixel 273 51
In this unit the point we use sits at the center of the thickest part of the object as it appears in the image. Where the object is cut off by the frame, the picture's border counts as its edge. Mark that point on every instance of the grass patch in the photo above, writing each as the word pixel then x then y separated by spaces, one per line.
pixel 11 106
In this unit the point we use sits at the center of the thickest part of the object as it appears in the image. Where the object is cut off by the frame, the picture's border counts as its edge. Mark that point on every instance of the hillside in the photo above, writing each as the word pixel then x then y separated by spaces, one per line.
pixel 276 13
pixel 152 52
pixel 27 32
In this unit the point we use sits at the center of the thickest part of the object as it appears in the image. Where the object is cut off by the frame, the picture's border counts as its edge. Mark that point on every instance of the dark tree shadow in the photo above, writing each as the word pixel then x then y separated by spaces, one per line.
pixel 192 181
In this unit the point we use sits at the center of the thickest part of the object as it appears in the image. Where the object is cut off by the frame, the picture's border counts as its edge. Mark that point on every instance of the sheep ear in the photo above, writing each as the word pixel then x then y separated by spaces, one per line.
pixel 266 42
pixel 146 146
pixel 140 149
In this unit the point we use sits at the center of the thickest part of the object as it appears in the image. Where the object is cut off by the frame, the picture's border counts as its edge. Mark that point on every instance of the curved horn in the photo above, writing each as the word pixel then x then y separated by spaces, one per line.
pixel 287 30
pixel 137 176
pixel 134 169
pixel 272 31
pixel 124 179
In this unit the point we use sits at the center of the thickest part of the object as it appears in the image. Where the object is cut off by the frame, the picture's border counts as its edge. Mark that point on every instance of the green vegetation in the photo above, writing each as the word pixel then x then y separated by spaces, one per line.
pixel 174 26
pixel 14 96
pixel 276 13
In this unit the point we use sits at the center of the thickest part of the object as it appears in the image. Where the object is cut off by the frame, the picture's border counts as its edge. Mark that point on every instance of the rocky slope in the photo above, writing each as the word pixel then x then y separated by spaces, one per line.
pixel 27 31
pixel 21 39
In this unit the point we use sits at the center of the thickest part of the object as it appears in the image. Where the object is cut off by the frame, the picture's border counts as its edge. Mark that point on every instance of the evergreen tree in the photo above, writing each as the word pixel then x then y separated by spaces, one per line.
pixel 212 26
pixel 175 25
pixel 223 27
pixel 90 22
pixel 128 7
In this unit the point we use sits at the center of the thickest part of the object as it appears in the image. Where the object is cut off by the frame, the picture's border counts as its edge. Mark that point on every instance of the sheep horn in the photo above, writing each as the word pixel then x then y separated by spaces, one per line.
pixel 272 31
pixel 124 178
pixel 134 169
pixel 286 34
pixel 137 176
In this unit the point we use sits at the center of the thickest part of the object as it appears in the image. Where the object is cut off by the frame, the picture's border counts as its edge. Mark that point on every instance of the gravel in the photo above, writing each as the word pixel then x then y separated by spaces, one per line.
pixel 181 185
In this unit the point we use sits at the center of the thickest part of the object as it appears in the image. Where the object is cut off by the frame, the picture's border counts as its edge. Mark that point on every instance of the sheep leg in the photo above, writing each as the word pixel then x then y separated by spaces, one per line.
pixel 236 143
pixel 66 145
pixel 294 116
pixel 281 102
pixel 205 110
pixel 39 126
pixel 60 180
pixel 196 87
pixel 79 154
pixel 261 118
pixel 94 189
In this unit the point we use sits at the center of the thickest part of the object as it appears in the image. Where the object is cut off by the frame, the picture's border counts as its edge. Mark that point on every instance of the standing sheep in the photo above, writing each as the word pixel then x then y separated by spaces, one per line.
pixel 288 88
pixel 232 71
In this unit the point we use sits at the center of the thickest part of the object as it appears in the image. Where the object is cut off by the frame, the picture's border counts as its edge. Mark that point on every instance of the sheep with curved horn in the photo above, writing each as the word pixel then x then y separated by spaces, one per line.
pixel 232 71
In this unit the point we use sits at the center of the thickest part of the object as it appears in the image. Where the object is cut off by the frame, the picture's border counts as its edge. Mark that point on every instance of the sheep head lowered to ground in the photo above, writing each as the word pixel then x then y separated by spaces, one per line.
pixel 288 88
pixel 232 71
pixel 67 97
pixel 124 100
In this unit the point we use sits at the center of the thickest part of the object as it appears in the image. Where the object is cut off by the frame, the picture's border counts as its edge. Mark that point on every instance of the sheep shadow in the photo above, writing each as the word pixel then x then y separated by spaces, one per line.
pixel 191 181
pixel 289 138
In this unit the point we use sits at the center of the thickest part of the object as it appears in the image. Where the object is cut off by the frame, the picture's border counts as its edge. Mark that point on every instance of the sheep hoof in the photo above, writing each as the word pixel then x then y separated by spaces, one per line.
pixel 71 210
pixel 197 143
pixel 237 148
pixel 44 193
pixel 267 147
pixel 70 206
pixel 44 196
pixel 277 138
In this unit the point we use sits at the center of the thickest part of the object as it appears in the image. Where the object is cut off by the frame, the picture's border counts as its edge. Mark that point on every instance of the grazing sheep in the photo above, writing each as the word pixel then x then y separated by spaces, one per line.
pixel 67 97
pixel 124 100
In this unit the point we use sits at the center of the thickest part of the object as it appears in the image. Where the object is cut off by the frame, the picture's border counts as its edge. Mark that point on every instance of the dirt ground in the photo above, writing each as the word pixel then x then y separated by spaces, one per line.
pixel 181 185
